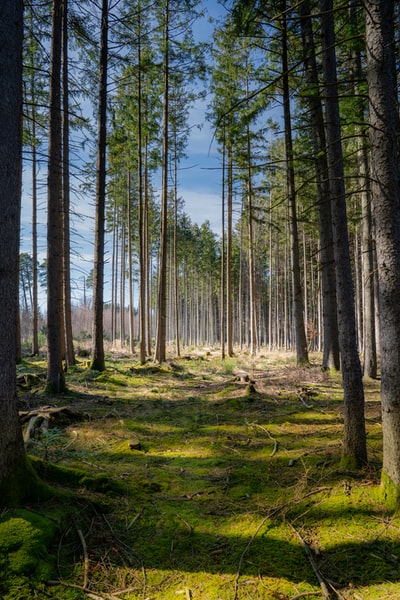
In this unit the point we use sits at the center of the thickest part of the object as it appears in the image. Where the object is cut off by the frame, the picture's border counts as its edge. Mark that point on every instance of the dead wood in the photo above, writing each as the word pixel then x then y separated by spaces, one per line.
pixel 308 552
pixel 276 443
pixel 134 443
pixel 301 395
pixel 61 415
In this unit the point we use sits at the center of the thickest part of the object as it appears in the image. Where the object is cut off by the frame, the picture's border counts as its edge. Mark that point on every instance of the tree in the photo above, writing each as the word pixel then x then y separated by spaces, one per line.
pixel 383 122
pixel 330 358
pixel 298 303
pixel 160 353
pixel 55 375
pixel 98 360
pixel 11 444
pixel 354 444
pixel 69 345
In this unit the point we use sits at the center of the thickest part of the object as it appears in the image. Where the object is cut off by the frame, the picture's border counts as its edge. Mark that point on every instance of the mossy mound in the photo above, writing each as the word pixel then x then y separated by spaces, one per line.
pixel 25 561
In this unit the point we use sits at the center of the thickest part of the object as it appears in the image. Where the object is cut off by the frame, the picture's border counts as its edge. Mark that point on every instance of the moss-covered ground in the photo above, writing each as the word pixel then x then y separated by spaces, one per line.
pixel 189 481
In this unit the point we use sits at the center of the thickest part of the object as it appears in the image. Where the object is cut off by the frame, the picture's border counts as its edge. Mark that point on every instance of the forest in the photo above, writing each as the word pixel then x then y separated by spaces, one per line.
pixel 208 409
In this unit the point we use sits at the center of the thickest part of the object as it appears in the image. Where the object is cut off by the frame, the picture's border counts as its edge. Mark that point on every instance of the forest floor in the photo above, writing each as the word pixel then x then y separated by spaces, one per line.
pixel 201 479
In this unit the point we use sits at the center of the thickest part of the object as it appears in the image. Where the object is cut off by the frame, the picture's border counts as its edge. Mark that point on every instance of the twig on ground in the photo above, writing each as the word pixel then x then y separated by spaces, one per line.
pixel 276 443
pixel 271 514
pixel 75 434
pixel 303 401
pixel 85 559
pixel 89 594
pixel 249 543
pixel 185 522
pixel 303 595
pixel 323 585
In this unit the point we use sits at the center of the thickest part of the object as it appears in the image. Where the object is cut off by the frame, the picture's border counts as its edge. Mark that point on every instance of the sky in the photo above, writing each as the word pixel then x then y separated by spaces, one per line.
pixel 199 182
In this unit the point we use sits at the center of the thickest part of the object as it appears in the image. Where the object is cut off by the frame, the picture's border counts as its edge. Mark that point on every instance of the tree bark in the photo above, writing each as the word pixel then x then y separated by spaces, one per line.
pixel 298 303
pixel 354 442
pixel 11 444
pixel 386 212
pixel 55 375
pixel 69 344
pixel 229 236
pixel 330 354
pixel 98 361
pixel 160 353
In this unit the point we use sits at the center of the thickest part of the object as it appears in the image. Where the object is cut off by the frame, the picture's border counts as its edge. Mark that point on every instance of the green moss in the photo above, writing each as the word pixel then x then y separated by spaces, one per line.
pixel 25 562
pixel 390 492
pixel 77 478
pixel 23 485
pixel 350 463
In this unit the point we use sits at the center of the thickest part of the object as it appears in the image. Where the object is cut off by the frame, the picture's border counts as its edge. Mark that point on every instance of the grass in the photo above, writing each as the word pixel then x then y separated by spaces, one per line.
pixel 219 499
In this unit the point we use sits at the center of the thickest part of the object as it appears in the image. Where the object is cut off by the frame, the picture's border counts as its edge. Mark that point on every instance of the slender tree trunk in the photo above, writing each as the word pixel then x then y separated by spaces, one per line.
pixel 229 235
pixel 175 252
pixel 122 283
pixel 298 304
pixel 142 216
pixel 130 269
pixel 270 288
pixel 330 358
pixel 114 274
pixel 98 360
pixel 370 366
pixel 69 344
pixel 35 307
pixel 383 120
pixel 55 376
pixel 223 289
pixel 11 21
pixel 367 263
pixel 354 444
pixel 160 354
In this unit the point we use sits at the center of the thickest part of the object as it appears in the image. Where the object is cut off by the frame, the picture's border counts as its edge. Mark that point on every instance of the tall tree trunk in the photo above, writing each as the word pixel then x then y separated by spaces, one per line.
pixel 330 355
pixel 223 277
pixel 367 261
pixel 98 361
pixel 35 305
pixel 130 269
pixel 298 304
pixel 370 365
pixel 114 274
pixel 229 235
pixel 11 18
pixel 122 282
pixel 69 344
pixel 55 376
pixel 160 353
pixel 175 250
pixel 383 120
pixel 354 443
pixel 32 92
pixel 142 213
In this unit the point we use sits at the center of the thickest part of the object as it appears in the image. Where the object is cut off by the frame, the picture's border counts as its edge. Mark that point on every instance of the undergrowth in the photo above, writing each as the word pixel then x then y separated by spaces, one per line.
pixel 200 479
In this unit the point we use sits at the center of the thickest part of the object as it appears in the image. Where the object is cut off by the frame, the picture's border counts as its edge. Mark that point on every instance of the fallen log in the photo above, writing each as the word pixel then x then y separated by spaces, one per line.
pixel 45 417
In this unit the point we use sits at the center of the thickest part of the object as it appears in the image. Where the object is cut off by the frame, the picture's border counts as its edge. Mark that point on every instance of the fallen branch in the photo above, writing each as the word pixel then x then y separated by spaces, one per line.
pixel 89 594
pixel 276 443
pixel 269 516
pixel 303 401
pixel 85 559
pixel 323 585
